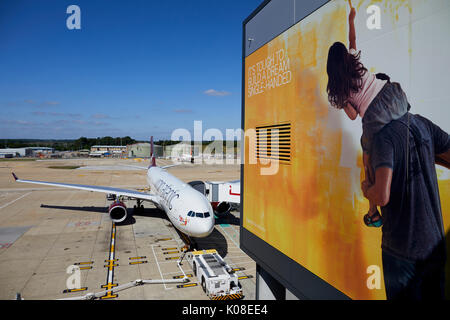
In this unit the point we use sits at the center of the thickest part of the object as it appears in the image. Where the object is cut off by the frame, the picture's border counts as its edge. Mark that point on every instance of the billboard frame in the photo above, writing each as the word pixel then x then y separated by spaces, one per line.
pixel 297 279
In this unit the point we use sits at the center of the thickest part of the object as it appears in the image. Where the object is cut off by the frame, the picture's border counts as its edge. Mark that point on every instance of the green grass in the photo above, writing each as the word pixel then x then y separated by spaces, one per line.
pixel 64 167
pixel 17 159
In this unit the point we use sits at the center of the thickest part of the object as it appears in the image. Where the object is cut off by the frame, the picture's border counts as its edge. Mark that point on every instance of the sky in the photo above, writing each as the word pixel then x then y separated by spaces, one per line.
pixel 135 68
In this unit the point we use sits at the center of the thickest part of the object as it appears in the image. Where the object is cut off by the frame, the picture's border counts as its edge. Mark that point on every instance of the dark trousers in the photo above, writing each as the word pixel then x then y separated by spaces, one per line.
pixel 420 280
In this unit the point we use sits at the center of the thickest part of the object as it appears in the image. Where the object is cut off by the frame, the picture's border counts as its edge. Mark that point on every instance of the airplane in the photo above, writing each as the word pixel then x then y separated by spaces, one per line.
pixel 187 209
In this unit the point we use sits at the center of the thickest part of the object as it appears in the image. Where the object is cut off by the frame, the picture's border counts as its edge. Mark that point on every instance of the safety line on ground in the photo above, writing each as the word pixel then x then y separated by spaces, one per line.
pixel 110 275
pixel 11 202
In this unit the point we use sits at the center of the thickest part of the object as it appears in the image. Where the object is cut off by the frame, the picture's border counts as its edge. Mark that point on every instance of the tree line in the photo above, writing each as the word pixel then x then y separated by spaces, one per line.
pixel 67 144
pixel 84 143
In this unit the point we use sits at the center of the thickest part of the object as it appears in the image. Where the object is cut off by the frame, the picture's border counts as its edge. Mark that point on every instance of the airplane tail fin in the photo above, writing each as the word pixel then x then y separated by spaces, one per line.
pixel 152 155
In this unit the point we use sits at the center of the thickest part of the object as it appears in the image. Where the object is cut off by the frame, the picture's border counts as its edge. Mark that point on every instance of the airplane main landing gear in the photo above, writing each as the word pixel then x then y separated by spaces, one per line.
pixel 190 245
pixel 138 208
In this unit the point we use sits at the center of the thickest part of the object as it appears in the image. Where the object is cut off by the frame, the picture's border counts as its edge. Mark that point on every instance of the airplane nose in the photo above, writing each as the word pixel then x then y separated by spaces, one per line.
pixel 207 227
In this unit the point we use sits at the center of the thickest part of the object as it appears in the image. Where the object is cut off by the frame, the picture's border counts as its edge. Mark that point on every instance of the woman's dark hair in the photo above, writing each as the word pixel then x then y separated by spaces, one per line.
pixel 344 74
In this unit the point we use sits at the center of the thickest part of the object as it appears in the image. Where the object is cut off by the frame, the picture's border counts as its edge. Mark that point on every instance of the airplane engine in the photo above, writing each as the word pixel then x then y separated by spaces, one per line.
pixel 117 211
pixel 221 207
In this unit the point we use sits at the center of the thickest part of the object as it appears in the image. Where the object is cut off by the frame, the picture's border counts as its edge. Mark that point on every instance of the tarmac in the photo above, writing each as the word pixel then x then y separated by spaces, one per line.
pixel 46 230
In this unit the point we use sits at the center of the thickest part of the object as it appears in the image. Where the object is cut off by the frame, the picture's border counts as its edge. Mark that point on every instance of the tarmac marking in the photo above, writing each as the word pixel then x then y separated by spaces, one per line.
pixel 83 223
pixel 238 269
pixel 159 269
pixel 85 268
pixel 187 285
pixel 172 258
pixel 137 258
pixel 137 262
pixel 11 202
pixel 182 276
pixel 82 263
pixel 163 239
pixel 75 290
pixel 169 248
pixel 110 275
pixel 171 252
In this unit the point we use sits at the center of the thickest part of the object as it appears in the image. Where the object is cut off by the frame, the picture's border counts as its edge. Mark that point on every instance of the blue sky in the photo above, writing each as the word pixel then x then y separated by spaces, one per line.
pixel 137 67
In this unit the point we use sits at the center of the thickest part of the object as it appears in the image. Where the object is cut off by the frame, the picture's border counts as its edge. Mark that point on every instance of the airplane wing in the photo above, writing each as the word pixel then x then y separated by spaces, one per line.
pixel 145 168
pixel 131 166
pixel 116 191
pixel 171 165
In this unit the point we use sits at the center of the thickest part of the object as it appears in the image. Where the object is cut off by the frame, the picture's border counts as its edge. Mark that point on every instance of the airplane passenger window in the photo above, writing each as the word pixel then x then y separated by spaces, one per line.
pixel 199 215
pixel 206 214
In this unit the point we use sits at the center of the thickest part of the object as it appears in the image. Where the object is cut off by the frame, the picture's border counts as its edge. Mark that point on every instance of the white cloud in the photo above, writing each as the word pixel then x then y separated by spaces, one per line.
pixel 215 93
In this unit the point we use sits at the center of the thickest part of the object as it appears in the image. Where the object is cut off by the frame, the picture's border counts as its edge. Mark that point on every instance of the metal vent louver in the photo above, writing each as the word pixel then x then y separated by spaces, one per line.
pixel 274 142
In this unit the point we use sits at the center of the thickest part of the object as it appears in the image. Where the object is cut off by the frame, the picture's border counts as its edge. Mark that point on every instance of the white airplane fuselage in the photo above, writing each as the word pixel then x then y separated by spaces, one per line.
pixel 188 210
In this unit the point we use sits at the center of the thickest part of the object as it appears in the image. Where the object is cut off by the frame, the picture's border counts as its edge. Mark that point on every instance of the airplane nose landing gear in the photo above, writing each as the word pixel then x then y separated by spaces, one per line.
pixel 138 208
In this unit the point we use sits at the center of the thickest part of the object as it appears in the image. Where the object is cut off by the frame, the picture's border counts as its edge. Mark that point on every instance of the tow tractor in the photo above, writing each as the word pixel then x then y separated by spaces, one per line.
pixel 217 278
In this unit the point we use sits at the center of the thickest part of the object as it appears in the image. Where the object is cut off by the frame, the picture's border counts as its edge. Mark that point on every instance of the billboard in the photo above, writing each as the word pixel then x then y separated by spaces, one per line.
pixel 311 207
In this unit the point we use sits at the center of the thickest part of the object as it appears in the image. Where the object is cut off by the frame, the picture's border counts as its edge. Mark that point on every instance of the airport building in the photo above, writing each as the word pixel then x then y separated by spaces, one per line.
pixel 6 155
pixel 142 150
pixel 26 152
pixel 182 149
pixel 108 150
pixel 17 152
pixel 41 150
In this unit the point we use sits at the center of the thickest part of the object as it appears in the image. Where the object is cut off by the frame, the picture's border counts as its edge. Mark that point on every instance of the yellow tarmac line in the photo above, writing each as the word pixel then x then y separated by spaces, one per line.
pixel 187 285
pixel 171 252
pixel 172 258
pixel 138 262
pixel 75 290
pixel 85 268
pixel 82 263
pixel 181 276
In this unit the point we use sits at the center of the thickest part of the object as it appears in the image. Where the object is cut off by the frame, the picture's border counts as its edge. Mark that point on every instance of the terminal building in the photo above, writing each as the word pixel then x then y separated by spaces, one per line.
pixel 142 150
pixel 16 152
pixel 182 149
pixel 98 151
pixel 25 152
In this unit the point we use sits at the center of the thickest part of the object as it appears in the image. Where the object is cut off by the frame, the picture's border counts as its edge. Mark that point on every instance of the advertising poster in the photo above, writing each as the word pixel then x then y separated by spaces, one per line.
pixel 311 207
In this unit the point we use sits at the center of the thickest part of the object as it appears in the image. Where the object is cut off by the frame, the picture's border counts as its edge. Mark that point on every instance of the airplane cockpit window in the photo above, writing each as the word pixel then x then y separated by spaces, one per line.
pixel 198 214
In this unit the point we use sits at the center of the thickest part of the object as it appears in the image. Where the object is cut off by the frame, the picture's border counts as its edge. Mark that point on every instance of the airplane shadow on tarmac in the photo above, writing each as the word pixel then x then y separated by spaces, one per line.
pixel 215 240
pixel 228 218
pixel 147 212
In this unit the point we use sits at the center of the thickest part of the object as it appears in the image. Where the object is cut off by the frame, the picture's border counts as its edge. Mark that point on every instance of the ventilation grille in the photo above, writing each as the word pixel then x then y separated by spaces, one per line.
pixel 274 142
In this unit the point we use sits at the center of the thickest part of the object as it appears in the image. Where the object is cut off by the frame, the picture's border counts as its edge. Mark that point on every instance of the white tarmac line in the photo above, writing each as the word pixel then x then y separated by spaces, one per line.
pixel 11 202
pixel 159 269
